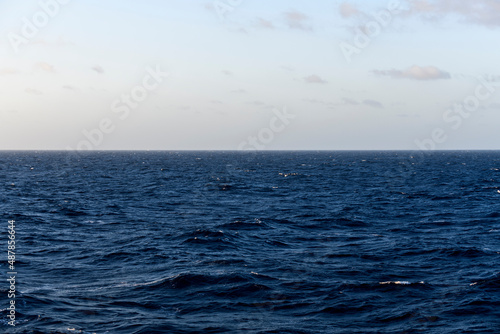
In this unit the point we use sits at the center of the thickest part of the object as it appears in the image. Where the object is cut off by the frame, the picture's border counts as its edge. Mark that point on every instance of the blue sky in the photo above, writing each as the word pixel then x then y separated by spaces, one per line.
pixel 425 75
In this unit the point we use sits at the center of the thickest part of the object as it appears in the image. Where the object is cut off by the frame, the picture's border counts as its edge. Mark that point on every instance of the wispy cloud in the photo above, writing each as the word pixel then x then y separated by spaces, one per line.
pixel 241 31
pixel 33 91
pixel 347 101
pixel 265 24
pixel 415 72
pixel 239 91
pixel 315 79
pixel 227 72
pixel 58 43
pixel 209 6
pixel 69 87
pixel 350 101
pixel 320 102
pixel 45 67
pixel 256 103
pixel 495 105
pixel 315 101
pixel 8 71
pixel 481 12
pixel 297 20
pixel 373 103
pixel 347 10
pixel 98 69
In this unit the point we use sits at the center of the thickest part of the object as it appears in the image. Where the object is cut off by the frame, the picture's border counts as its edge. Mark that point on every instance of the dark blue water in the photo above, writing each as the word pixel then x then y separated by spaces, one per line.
pixel 270 242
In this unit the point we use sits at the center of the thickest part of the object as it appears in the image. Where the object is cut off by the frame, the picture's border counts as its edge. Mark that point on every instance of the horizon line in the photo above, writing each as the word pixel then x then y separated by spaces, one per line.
pixel 247 151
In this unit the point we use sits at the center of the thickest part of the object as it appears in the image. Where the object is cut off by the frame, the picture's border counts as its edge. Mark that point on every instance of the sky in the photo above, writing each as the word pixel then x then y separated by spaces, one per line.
pixel 249 74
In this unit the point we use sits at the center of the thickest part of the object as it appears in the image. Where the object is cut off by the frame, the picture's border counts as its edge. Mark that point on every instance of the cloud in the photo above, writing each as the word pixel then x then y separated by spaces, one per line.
pixel 69 87
pixel 216 102
pixel 296 20
pixel 227 72
pixel 314 79
pixel 419 6
pixel 481 12
pixel 256 103
pixel 347 10
pixel 45 67
pixel 241 31
pixel 349 101
pixel 373 103
pixel 321 102
pixel 209 7
pixel 492 78
pixel 265 24
pixel 495 105
pixel 33 91
pixel 8 71
pixel 98 69
pixel 416 73
pixel 60 42
pixel 239 91
pixel 315 101
pixel 346 101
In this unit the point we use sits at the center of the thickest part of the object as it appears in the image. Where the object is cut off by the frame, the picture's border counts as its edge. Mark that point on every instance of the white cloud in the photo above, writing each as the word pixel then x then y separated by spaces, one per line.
pixel 347 10
pixel 314 79
pixel 482 12
pixel 209 6
pixel 415 72
pixel 257 103
pixel 265 24
pixel 69 87
pixel 8 70
pixel 239 91
pixel 296 20
pixel 349 101
pixel 98 69
pixel 45 67
pixel 373 103
pixel 495 105
pixel 58 43
pixel 33 91
pixel 315 101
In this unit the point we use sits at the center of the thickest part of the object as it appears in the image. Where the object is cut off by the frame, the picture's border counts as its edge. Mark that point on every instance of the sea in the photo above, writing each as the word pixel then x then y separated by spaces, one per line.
pixel 250 242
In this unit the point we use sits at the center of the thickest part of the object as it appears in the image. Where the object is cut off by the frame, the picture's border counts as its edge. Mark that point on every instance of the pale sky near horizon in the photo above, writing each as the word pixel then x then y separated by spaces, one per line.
pixel 348 80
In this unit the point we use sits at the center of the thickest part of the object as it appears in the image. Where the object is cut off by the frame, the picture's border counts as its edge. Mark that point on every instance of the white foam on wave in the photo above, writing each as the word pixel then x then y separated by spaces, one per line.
pixel 400 282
